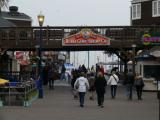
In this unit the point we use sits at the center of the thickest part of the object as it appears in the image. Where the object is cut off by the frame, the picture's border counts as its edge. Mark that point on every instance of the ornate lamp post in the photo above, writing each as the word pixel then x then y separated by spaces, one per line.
pixel 40 86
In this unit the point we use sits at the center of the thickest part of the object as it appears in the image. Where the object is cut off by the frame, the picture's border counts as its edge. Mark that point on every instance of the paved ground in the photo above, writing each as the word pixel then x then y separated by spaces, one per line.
pixel 59 104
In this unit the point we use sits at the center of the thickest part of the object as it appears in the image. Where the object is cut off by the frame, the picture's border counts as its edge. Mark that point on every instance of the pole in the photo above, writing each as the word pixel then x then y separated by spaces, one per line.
pixel 74 57
pixel 88 59
pixel 133 63
pixel 40 66
pixel 158 91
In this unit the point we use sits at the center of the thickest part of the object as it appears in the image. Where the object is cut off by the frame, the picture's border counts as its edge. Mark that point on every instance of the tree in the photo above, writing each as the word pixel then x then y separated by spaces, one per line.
pixel 3 3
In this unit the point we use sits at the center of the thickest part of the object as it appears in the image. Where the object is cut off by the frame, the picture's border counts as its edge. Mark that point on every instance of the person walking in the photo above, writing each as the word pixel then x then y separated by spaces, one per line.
pixel 129 82
pixel 63 70
pixel 100 86
pixel 82 85
pixel 75 75
pixel 139 84
pixel 50 77
pixel 91 79
pixel 113 81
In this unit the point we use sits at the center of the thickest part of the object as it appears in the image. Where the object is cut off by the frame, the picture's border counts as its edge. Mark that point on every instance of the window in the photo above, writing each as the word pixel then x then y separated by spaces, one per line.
pixel 136 11
pixel 152 71
pixel 156 8
pixel 23 35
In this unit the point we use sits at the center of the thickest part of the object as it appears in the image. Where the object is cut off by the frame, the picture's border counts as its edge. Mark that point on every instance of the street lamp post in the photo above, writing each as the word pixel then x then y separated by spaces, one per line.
pixel 40 87
pixel 133 62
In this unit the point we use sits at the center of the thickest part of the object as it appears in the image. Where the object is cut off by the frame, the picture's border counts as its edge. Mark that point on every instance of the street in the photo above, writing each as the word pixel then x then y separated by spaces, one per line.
pixel 58 104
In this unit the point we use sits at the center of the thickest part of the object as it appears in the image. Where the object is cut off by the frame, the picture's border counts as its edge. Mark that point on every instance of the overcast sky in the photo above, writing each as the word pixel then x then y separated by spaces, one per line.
pixel 78 12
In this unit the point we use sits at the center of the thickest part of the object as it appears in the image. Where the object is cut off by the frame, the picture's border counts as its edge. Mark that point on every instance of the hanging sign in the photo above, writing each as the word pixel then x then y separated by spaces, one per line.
pixel 85 37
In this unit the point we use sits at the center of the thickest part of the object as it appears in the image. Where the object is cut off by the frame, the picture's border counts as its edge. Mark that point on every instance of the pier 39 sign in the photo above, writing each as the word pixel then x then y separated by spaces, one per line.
pixel 85 37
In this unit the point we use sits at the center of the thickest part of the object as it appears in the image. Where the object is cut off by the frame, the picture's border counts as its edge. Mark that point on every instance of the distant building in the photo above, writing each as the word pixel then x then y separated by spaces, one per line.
pixel 12 18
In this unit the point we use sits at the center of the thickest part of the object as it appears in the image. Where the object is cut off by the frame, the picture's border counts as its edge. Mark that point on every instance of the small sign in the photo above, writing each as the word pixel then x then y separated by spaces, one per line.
pixel 85 37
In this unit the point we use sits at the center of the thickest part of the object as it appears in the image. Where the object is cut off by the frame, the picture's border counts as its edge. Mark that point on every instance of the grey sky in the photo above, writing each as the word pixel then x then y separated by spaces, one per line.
pixel 78 12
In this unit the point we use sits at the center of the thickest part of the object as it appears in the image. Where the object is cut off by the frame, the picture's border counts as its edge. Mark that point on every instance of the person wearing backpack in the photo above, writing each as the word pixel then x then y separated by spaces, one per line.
pixel 82 85
pixel 113 81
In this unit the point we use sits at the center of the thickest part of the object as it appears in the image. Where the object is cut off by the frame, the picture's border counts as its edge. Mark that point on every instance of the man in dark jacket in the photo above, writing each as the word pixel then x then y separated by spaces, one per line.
pixel 129 82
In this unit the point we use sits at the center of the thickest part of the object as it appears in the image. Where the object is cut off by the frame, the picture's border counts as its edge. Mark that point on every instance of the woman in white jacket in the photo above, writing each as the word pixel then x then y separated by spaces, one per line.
pixel 82 85
pixel 113 81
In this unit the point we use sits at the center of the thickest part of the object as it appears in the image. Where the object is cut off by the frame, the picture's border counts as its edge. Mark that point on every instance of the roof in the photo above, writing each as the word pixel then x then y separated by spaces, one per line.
pixel 15 16
pixel 138 1
pixel 6 23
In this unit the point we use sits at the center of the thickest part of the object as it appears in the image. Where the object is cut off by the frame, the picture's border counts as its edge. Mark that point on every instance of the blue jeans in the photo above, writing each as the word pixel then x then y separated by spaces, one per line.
pixel 81 98
pixel 113 90
pixel 129 91
pixel 63 76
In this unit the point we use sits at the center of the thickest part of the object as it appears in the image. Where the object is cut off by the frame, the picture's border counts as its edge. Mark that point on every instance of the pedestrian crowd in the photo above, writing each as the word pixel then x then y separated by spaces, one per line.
pixel 94 81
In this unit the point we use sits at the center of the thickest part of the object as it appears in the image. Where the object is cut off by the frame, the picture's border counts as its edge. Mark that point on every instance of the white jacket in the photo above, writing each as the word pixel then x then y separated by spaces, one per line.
pixel 82 84
pixel 113 80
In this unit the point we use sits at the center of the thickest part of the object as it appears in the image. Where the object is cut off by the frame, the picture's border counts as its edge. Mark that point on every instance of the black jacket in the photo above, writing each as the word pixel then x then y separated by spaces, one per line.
pixel 100 84
pixel 130 78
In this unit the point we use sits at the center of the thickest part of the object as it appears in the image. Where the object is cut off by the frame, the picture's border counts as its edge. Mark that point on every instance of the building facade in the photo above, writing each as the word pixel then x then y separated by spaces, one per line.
pixel 145 12
pixel 15 18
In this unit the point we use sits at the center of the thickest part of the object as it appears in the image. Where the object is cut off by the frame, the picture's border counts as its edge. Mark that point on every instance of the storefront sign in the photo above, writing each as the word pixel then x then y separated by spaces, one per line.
pixel 85 37
pixel 147 39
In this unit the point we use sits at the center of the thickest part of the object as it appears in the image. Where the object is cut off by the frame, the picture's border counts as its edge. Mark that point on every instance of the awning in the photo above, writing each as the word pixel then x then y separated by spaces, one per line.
pixel 156 53
pixel 3 81
pixel 145 57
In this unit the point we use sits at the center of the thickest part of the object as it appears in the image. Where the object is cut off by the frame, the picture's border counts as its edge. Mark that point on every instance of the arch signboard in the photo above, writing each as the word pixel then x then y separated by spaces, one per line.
pixel 86 37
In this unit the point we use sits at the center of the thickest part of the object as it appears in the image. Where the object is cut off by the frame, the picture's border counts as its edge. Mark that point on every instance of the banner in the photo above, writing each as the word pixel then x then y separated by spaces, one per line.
pixel 85 37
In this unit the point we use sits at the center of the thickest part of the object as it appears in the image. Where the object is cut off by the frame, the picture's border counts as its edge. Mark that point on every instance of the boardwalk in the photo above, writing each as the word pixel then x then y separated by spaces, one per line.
pixel 59 104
